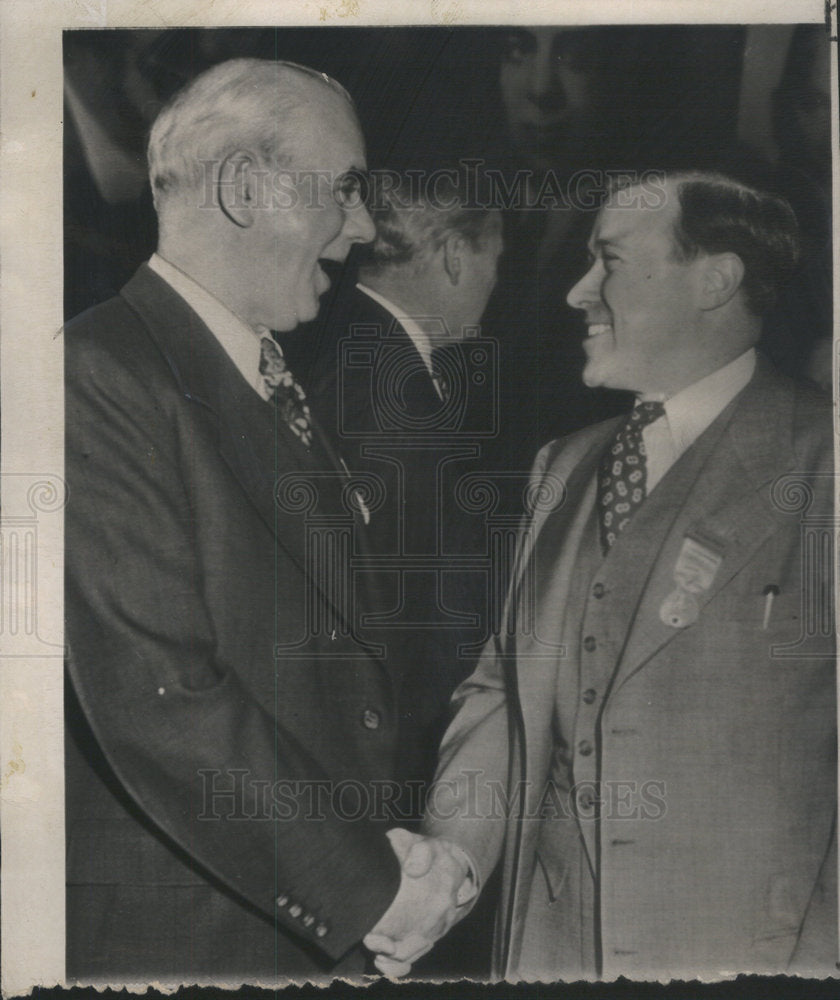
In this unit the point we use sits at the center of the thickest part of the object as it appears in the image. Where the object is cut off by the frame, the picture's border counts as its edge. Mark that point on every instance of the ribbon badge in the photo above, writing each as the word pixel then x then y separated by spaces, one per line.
pixel 694 573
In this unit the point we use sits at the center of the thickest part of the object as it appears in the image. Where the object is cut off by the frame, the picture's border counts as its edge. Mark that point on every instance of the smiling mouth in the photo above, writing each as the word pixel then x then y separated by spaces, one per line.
pixel 596 329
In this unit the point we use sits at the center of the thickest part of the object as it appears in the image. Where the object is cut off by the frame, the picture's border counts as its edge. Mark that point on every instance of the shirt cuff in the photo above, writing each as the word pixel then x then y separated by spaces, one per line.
pixel 469 888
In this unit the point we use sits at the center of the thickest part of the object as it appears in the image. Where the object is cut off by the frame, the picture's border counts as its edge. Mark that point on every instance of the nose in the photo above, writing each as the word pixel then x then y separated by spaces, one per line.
pixel 545 89
pixel 358 225
pixel 587 292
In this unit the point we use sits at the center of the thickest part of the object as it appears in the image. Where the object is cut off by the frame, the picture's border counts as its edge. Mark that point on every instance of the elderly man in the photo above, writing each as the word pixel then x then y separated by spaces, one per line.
pixel 216 687
pixel 650 746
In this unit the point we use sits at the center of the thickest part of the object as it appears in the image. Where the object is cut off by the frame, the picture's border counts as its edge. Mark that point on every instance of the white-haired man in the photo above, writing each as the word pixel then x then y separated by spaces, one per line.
pixel 218 701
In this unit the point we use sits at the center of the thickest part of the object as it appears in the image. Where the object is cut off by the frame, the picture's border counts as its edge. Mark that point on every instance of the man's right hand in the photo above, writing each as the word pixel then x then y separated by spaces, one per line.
pixel 435 883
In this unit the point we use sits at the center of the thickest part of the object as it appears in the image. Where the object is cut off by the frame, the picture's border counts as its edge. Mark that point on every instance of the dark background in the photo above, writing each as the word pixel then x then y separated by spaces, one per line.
pixel 664 96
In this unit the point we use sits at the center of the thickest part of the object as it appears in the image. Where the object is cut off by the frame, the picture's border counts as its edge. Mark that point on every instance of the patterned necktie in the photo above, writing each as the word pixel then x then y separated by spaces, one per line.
pixel 287 394
pixel 622 475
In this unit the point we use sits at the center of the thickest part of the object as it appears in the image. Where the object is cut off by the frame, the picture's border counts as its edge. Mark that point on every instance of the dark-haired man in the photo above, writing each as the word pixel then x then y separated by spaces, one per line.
pixel 650 746
pixel 395 385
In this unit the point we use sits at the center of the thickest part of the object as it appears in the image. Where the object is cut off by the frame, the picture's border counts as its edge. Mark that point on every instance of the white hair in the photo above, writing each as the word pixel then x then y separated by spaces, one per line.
pixel 249 104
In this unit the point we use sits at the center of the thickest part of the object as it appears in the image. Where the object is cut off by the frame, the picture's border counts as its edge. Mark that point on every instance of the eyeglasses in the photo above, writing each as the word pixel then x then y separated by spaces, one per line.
pixel 351 189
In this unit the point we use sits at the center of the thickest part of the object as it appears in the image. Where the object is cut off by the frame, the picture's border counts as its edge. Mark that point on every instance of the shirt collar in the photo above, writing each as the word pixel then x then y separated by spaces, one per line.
pixel 416 333
pixel 240 342
pixel 693 409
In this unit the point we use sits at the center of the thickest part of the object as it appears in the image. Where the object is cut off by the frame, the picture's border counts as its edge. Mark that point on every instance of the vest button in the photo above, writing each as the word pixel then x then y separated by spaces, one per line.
pixel 599 590
pixel 589 643
pixel 322 930
pixel 589 695
pixel 584 748
pixel 371 719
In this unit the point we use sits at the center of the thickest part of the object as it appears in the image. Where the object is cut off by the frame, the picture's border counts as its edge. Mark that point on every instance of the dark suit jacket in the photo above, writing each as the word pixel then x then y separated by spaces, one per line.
pixel 376 398
pixel 204 656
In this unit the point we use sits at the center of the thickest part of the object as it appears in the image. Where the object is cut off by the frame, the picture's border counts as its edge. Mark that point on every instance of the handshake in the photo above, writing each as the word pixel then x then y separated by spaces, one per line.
pixel 436 883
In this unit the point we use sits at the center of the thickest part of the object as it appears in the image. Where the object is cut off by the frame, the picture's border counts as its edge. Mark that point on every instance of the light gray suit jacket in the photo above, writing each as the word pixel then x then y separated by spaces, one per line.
pixel 732 865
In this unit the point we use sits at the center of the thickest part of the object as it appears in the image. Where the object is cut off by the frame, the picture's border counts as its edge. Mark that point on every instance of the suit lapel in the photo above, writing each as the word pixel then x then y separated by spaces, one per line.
pixel 559 491
pixel 727 502
pixel 253 441
pixel 548 549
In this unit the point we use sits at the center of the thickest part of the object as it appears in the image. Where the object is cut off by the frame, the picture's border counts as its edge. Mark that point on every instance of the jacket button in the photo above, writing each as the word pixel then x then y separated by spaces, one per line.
pixel 295 910
pixel 589 695
pixel 584 748
pixel 589 643
pixel 308 920
pixel 371 719
pixel 599 590
pixel 321 930
pixel 586 800
pixel 282 901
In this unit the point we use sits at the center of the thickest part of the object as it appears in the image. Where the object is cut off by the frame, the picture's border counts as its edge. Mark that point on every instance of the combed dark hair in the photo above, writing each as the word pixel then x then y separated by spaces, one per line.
pixel 719 215
pixel 413 217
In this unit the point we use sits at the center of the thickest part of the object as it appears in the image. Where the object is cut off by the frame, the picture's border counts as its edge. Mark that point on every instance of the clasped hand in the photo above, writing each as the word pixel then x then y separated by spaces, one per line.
pixel 434 884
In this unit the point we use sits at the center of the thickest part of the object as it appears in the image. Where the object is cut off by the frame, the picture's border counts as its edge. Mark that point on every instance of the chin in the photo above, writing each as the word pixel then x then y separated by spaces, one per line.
pixel 594 375
pixel 307 310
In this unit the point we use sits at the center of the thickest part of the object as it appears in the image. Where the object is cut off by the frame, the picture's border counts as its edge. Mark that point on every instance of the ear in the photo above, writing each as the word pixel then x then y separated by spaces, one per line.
pixel 722 276
pixel 238 188
pixel 453 257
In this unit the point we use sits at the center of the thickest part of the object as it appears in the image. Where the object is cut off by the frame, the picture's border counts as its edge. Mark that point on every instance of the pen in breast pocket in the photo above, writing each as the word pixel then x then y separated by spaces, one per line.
pixel 770 591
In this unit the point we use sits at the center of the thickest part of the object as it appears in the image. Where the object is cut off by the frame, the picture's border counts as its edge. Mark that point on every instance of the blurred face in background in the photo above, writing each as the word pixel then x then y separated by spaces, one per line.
pixel 549 85
pixel 478 276
pixel 812 103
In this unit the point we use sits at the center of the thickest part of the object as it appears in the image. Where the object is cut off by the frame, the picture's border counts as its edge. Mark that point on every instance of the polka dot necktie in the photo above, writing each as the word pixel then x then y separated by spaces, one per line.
pixel 622 475
pixel 287 394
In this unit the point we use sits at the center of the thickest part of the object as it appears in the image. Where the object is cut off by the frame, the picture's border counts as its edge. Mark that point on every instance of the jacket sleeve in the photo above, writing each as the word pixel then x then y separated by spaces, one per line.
pixel 474 784
pixel 163 709
pixel 465 803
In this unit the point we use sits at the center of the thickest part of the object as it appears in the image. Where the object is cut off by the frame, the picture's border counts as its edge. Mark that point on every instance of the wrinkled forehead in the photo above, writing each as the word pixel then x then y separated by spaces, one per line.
pixel 636 213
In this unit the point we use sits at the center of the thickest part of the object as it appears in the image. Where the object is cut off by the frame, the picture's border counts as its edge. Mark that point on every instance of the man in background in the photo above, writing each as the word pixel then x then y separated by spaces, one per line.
pixel 396 387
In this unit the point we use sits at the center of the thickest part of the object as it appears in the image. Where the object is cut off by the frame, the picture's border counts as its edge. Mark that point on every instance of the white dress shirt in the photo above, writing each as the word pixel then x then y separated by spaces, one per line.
pixel 416 333
pixel 690 412
pixel 241 342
